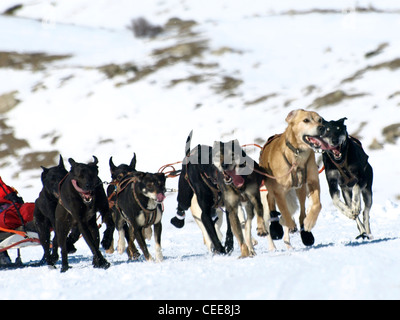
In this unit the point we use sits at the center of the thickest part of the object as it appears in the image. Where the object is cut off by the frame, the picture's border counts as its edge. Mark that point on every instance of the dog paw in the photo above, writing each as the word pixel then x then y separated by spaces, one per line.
pixel 364 235
pixel 228 245
pixel 245 252
pixel 261 232
pixel 159 257
pixel 307 237
pixel 101 263
pixel 65 268
pixel 178 223
pixel 275 228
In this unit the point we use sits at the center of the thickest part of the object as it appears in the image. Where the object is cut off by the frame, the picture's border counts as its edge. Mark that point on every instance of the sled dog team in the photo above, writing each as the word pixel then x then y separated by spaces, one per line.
pixel 214 179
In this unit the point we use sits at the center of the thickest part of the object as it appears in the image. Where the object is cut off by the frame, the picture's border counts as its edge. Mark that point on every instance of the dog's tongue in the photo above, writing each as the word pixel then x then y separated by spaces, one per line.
pixel 237 180
pixel 319 142
pixel 160 197
pixel 86 193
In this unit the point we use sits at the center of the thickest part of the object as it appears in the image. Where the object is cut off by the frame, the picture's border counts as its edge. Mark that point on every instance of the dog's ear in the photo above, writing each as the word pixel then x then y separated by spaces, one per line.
pixel 95 162
pixel 45 170
pixel 61 162
pixel 132 165
pixel 342 120
pixel 71 162
pixel 112 165
pixel 292 114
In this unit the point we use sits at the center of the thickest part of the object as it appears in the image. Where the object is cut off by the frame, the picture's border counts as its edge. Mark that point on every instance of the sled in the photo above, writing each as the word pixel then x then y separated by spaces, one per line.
pixel 16 239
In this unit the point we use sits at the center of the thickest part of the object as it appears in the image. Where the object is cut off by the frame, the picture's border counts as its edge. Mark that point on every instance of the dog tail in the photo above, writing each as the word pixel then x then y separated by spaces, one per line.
pixel 291 200
pixel 187 145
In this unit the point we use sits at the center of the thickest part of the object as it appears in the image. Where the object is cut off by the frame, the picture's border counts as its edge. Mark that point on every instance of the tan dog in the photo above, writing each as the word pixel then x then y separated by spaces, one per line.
pixel 290 159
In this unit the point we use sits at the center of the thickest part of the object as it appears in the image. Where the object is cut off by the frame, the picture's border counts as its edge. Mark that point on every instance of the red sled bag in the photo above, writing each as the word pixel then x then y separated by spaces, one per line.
pixel 9 202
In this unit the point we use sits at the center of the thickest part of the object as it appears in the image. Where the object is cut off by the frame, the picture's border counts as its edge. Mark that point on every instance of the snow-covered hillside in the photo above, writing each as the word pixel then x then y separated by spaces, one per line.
pixel 76 80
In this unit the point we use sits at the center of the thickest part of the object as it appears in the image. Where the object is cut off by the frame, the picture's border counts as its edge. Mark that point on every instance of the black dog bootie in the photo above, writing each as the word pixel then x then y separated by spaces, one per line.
pixel 307 237
pixel 179 220
pixel 275 227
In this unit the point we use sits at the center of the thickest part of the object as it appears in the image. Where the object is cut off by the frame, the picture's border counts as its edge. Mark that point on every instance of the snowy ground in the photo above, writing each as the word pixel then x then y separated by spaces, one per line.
pixel 287 58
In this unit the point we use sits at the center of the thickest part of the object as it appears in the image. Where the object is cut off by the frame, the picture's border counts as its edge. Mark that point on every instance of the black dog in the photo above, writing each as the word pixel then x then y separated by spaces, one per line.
pixel 118 174
pixel 81 197
pixel 346 165
pixel 45 208
pixel 139 198
pixel 214 180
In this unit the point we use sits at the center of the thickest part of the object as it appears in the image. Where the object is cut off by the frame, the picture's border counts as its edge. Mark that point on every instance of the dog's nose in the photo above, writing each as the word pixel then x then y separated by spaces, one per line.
pixel 321 130
pixel 225 166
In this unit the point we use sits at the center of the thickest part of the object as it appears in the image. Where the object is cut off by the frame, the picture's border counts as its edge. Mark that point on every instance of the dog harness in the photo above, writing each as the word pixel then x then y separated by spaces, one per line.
pixel 349 178
pixel 150 215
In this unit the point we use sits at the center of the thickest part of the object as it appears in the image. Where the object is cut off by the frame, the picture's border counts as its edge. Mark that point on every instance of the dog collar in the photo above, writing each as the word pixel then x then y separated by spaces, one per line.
pixel 293 149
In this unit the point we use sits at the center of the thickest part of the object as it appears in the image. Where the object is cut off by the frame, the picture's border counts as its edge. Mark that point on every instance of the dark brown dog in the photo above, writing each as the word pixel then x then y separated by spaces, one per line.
pixel 139 199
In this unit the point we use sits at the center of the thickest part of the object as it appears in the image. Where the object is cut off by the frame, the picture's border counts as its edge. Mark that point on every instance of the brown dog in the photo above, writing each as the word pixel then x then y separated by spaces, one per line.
pixel 290 159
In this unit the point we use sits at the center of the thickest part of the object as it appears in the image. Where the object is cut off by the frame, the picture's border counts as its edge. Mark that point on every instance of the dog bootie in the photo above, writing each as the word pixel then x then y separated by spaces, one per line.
pixel 307 237
pixel 179 220
pixel 275 228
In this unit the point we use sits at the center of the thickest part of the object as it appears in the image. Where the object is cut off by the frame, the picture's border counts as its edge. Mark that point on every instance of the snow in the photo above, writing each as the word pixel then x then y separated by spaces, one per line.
pixel 273 53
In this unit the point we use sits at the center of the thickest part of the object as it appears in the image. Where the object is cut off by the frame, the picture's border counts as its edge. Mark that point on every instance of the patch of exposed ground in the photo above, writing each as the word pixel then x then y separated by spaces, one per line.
pixel 334 98
pixel 260 99
pixel 8 101
pixel 391 65
pixel 28 61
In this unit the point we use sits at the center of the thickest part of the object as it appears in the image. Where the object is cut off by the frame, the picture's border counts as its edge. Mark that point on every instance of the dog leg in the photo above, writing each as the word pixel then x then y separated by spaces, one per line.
pixel 218 223
pixel 206 212
pixel 237 230
pixel 364 228
pixel 121 241
pixel 157 239
pixel 196 213
pixel 306 236
pixel 229 235
pixel 315 205
pixel 286 238
pixel 43 228
pixel 63 226
pixel 271 218
pixel 247 228
pixel 367 196
pixel 258 207
pixel 266 214
pixel 286 219
pixel 356 200
pixel 342 206
pixel 90 233
pixel 132 251
pixel 137 231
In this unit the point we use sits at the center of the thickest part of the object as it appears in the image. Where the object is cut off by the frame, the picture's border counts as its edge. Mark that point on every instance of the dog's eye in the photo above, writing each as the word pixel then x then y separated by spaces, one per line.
pixel 306 120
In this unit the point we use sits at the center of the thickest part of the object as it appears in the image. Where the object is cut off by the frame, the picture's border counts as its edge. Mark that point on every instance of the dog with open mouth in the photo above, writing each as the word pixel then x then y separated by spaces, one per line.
pixel 139 197
pixel 239 181
pixel 289 159
pixel 221 176
pixel 118 174
pixel 198 190
pixel 81 196
pixel 346 167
